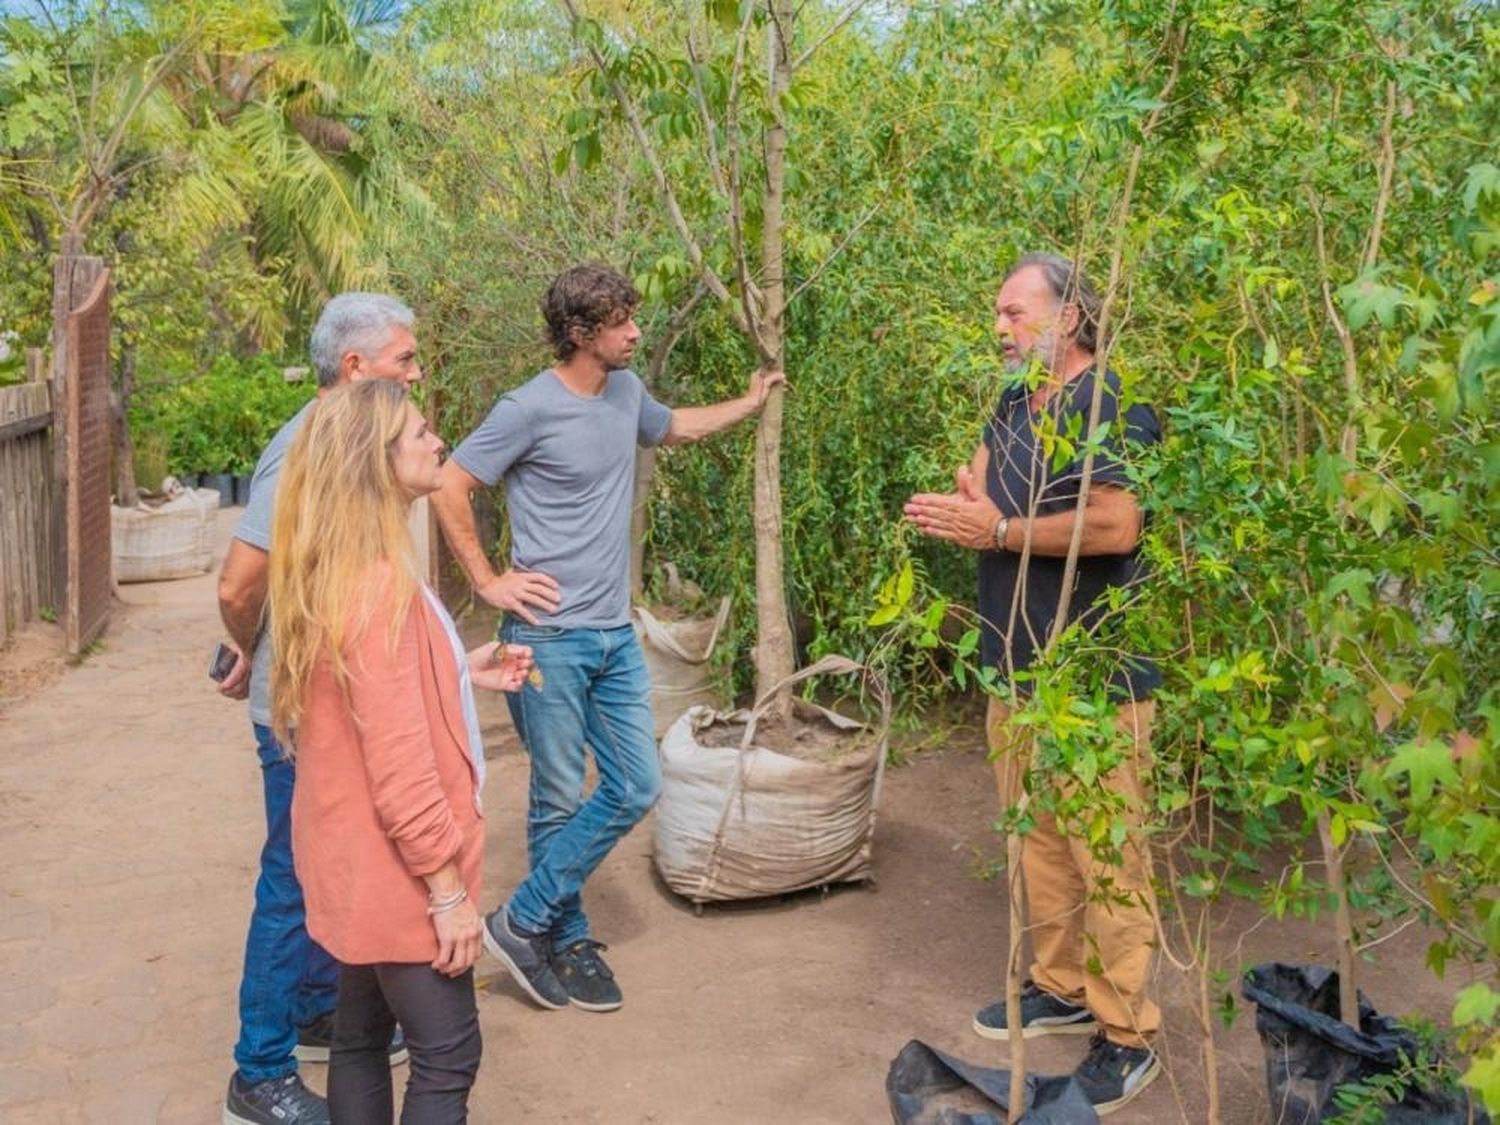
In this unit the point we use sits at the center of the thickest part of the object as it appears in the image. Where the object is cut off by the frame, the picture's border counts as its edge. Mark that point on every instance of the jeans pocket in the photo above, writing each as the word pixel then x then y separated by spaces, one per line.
pixel 519 632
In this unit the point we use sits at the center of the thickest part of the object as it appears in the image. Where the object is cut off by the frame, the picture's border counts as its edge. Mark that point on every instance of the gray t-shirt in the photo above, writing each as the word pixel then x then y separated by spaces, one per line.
pixel 569 466
pixel 255 529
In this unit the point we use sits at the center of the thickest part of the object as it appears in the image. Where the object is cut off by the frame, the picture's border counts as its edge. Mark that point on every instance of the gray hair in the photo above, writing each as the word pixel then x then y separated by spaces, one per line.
pixel 354 322
pixel 1070 287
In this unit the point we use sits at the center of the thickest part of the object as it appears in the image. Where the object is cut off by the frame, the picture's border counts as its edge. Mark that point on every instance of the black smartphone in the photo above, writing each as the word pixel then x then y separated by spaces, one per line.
pixel 222 663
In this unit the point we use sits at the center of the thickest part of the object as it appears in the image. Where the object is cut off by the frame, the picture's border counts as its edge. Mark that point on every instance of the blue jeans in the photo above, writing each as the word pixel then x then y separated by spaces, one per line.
pixel 594 690
pixel 289 979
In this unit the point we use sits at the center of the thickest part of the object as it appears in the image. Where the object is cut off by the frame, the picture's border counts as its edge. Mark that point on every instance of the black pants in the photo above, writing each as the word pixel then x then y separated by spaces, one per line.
pixel 441 1022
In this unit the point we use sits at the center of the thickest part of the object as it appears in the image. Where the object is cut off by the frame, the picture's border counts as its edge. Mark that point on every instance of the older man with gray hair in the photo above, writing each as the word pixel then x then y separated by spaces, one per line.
pixel 289 986
pixel 1015 503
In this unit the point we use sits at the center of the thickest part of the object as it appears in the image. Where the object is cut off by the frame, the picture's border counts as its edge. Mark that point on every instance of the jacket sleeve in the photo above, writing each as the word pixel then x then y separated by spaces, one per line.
pixel 385 696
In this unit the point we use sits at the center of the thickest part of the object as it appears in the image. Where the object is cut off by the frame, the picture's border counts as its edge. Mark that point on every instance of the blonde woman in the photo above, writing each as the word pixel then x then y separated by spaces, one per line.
pixel 372 688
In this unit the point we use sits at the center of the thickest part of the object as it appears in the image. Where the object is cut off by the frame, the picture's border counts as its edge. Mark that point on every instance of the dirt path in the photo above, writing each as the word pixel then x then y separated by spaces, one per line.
pixel 130 822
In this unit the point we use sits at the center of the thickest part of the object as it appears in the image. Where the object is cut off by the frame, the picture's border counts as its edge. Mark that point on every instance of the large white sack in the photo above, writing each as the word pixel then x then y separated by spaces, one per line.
pixel 677 659
pixel 747 823
pixel 175 540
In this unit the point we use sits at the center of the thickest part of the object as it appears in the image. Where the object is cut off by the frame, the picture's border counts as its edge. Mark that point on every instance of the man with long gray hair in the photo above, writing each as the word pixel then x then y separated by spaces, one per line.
pixel 1015 502
pixel 289 986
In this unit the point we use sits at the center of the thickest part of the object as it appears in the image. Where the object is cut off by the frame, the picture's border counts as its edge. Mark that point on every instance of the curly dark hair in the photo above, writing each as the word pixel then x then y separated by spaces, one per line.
pixel 587 297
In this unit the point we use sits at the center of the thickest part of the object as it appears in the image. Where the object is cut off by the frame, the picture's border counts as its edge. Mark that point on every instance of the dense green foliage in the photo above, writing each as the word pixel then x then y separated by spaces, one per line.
pixel 217 421
pixel 1308 291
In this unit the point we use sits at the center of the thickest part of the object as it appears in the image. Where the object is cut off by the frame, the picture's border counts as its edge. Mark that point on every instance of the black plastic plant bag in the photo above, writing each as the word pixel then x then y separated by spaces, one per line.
pixel 927 1087
pixel 1310 1052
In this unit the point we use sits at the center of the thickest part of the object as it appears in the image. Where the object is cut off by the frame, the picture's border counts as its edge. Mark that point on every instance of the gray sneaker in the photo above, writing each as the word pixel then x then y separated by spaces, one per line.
pixel 1112 1075
pixel 276 1101
pixel 315 1042
pixel 528 959
pixel 1041 1014
pixel 590 983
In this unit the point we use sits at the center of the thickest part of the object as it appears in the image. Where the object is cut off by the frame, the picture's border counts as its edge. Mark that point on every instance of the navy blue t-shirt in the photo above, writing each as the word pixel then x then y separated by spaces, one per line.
pixel 1022 473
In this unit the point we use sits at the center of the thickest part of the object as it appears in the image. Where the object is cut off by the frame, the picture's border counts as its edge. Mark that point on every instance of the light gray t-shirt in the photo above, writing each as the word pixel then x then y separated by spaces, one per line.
pixel 569 466
pixel 255 529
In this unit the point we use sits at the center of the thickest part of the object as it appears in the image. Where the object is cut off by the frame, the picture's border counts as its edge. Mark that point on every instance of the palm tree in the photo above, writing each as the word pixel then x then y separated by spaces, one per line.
pixel 264 117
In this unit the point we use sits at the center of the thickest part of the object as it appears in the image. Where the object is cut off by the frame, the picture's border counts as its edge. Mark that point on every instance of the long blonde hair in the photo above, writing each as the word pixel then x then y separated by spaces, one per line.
pixel 340 512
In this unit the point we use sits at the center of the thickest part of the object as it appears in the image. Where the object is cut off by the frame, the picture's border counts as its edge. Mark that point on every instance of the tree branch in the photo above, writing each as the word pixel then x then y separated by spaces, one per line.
pixel 848 13
pixel 1117 255
pixel 750 295
pixel 834 253
pixel 1348 443
pixel 1387 171
pixel 663 185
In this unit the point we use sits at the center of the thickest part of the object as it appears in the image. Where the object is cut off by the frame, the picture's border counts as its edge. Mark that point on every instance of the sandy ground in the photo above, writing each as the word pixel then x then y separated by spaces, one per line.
pixel 130 823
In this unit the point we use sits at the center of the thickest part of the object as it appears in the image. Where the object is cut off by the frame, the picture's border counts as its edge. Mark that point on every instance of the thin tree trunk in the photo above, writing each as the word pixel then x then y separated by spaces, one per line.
pixel 1206 1029
pixel 1015 843
pixel 640 502
pixel 774 656
pixel 1333 863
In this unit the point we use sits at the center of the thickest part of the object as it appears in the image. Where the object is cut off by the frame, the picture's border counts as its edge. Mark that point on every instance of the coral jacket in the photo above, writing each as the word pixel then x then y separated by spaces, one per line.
pixel 385 790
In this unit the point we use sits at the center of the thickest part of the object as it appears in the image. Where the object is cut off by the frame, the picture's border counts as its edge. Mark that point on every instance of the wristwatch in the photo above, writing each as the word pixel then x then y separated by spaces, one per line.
pixel 1000 529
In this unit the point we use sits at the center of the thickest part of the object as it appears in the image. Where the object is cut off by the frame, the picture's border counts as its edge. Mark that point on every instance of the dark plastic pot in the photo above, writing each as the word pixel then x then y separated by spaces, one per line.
pixel 190 480
pixel 223 483
pixel 241 491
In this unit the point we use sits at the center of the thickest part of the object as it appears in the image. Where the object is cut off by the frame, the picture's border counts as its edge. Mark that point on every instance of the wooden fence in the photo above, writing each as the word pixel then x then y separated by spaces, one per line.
pixel 26 501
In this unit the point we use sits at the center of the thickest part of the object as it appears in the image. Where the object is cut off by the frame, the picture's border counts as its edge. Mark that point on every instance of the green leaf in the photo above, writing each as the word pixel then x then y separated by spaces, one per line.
pixel 725 12
pixel 1484 1076
pixel 884 615
pixel 1479 1003
pixel 587 151
pixel 1425 764
pixel 906 584
pixel 1367 299
pixel 1354 584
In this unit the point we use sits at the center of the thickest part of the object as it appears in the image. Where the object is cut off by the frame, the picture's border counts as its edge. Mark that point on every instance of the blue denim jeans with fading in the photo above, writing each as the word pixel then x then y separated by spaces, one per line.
pixel 591 693
pixel 289 979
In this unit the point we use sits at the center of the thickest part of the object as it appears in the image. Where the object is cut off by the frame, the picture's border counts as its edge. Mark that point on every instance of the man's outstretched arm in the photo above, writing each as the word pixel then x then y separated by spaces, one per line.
pixel 515 591
pixel 693 423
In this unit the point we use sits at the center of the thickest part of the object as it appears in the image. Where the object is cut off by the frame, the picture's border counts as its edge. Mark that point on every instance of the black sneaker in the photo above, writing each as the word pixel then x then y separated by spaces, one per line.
pixel 589 981
pixel 315 1042
pixel 1041 1014
pixel 1111 1074
pixel 276 1101
pixel 527 957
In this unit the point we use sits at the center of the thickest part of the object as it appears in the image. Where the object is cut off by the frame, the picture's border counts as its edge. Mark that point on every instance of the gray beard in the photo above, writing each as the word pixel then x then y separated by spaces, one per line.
pixel 1044 349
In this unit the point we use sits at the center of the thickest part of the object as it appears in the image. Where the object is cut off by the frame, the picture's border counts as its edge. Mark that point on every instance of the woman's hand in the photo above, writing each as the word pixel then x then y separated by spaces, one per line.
pixel 459 936
pixel 500 667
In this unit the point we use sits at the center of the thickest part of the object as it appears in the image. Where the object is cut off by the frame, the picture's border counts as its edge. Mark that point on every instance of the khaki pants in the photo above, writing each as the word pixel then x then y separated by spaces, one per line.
pixel 1091 923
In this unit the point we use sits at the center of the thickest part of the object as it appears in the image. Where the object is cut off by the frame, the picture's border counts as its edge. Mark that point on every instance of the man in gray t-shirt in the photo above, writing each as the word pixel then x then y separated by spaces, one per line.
pixel 289 985
pixel 564 444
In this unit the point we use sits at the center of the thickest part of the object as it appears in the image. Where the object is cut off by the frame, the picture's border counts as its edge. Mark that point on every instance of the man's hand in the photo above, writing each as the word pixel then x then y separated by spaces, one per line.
pixel 761 382
pixel 517 590
pixel 499 667
pixel 236 685
pixel 964 516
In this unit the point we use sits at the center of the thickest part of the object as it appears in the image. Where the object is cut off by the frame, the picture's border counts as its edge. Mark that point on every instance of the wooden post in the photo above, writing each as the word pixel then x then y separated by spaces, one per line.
pixel 36 365
pixel 73 278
